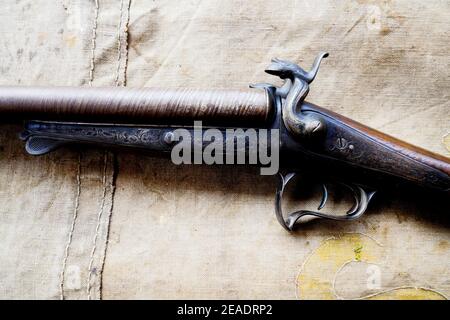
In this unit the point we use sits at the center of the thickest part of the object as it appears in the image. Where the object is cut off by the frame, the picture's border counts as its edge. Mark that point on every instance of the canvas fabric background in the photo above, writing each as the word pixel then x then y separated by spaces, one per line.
pixel 90 224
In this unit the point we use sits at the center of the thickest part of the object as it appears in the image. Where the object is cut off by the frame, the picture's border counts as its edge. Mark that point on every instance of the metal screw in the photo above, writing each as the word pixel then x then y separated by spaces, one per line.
pixel 169 137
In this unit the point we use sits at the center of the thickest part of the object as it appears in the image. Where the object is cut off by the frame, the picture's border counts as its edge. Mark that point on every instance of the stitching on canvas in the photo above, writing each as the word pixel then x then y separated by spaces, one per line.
pixel 72 227
pixel 111 184
pixel 122 42
pixel 110 211
pixel 126 44
pixel 114 170
pixel 372 295
pixel 93 42
pixel 114 174
pixel 97 227
pixel 91 79
pixel 119 44
pixel 78 175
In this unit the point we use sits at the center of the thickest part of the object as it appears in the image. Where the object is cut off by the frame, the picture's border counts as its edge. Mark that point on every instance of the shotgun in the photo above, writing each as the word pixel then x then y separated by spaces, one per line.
pixel 265 125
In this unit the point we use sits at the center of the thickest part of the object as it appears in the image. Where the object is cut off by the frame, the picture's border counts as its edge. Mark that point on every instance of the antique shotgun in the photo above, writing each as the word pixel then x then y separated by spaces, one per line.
pixel 308 136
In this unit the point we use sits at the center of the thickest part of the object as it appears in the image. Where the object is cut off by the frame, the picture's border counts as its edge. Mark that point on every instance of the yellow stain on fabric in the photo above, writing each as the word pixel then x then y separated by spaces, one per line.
pixel 70 40
pixel 409 294
pixel 446 141
pixel 315 280
pixel 358 251
pixel 317 274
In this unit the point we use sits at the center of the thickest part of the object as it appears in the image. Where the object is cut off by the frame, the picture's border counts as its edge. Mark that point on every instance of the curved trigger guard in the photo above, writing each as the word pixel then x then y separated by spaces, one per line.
pixel 362 198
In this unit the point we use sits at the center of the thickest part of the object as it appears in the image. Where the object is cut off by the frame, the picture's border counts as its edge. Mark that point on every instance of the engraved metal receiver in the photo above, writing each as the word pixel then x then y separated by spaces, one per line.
pixel 307 126
pixel 311 138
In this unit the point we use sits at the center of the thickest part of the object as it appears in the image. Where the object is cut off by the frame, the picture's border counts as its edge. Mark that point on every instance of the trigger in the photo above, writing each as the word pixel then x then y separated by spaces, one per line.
pixel 356 197
pixel 324 197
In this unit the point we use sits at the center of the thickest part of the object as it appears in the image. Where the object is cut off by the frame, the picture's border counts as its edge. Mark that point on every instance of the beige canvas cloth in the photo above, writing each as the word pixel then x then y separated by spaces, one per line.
pixel 89 224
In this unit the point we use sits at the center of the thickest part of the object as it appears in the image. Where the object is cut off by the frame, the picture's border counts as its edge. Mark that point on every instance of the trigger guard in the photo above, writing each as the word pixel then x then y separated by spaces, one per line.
pixel 282 183
pixel 362 199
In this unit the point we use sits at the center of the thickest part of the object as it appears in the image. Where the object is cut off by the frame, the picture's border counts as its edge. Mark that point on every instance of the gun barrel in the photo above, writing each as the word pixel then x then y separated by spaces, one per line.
pixel 249 107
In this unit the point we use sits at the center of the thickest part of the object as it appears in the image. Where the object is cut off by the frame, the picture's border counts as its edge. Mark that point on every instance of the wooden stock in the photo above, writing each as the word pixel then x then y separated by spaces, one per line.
pixel 357 145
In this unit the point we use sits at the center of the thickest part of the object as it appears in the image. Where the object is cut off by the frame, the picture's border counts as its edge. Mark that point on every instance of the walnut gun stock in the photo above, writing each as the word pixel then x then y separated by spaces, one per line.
pixel 307 135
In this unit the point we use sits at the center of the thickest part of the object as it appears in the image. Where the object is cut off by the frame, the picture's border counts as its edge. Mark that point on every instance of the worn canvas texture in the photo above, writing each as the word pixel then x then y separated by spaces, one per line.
pixel 91 224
